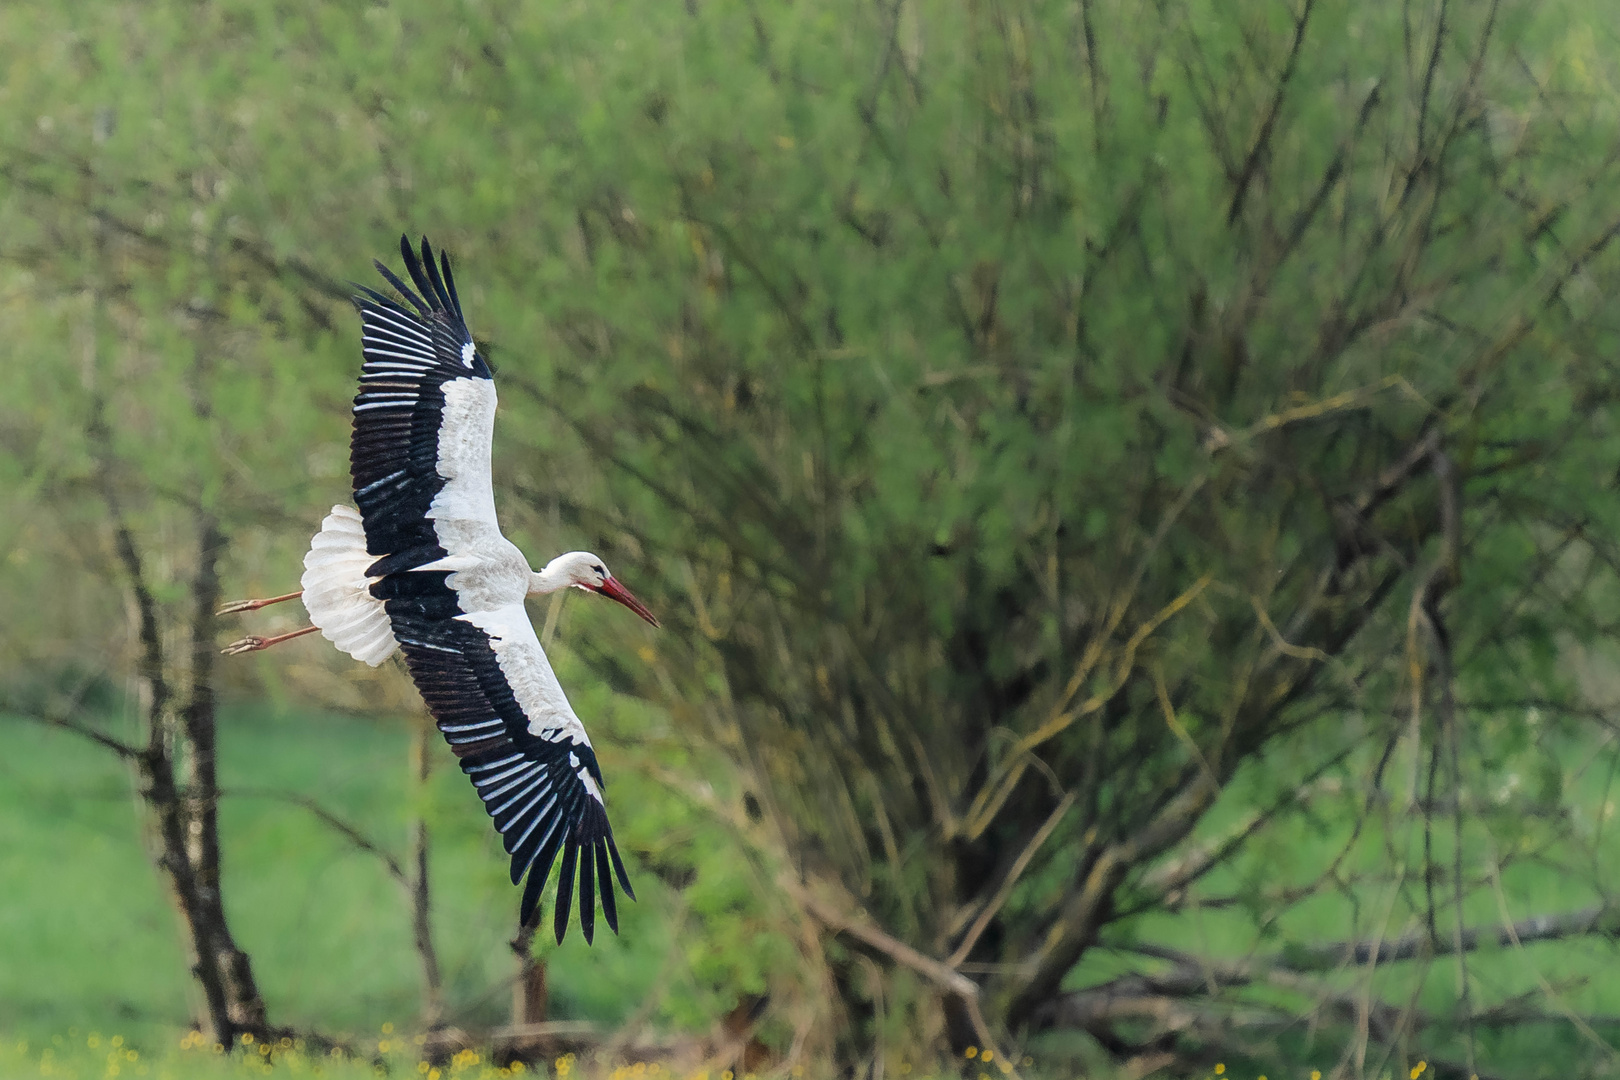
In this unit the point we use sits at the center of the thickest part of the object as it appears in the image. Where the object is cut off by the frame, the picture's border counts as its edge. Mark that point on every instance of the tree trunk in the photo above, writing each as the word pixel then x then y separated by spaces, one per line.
pixel 200 808
pixel 421 899
pixel 163 800
pixel 185 811
pixel 529 991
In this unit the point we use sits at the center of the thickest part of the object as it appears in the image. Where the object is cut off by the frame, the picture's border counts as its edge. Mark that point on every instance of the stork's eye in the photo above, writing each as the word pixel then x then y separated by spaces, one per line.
pixel 600 569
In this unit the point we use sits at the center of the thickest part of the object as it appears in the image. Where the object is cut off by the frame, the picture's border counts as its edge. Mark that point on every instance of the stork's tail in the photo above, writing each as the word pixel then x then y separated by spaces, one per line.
pixel 337 594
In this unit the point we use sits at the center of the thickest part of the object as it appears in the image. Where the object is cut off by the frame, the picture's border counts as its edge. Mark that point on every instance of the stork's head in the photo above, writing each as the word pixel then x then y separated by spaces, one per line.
pixel 582 570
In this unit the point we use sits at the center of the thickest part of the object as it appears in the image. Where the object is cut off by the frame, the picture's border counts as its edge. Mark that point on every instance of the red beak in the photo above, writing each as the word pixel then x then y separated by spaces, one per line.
pixel 614 591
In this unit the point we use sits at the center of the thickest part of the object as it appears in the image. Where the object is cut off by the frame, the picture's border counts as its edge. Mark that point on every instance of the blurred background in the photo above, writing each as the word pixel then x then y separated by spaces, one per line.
pixel 1130 491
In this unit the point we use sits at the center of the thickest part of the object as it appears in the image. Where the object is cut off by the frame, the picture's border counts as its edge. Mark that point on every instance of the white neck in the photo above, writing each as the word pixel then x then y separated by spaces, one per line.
pixel 548 580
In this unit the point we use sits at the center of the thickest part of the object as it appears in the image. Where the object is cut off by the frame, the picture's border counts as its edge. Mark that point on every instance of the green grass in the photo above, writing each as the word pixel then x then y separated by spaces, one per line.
pixel 101 1057
pixel 90 941
pixel 110 1057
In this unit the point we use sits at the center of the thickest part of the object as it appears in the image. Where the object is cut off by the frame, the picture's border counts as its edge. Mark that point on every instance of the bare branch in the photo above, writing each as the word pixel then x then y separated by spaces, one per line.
pixel 991 798
pixel 1262 140
pixel 1599 919
pixel 872 937
pixel 419 887
pixel 1166 883
pixel 1016 871
pixel 117 746
pixel 333 822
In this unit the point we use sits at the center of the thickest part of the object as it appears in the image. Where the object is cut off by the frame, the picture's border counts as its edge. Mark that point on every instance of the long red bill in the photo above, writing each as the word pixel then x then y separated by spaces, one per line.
pixel 614 591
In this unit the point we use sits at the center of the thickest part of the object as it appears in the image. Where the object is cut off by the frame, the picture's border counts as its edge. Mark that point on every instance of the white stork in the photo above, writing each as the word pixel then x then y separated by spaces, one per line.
pixel 422 566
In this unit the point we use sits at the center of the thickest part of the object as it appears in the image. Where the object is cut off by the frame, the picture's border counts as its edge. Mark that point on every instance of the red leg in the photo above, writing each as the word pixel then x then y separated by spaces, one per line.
pixel 254 605
pixel 254 644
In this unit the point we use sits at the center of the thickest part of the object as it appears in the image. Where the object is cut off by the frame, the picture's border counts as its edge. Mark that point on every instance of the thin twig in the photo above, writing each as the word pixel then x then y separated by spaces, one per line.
pixel 117 746
pixel 332 821
pixel 1262 140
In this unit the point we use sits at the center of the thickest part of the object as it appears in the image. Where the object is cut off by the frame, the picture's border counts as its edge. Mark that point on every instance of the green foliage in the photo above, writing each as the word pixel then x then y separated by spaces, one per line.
pixel 1166 434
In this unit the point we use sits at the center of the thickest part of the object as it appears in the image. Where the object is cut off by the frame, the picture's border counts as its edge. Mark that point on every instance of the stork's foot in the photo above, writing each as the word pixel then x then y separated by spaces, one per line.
pixel 254 605
pixel 253 643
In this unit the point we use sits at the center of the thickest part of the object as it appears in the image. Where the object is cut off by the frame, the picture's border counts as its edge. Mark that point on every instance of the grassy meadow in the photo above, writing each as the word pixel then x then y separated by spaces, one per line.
pixel 92 943
pixel 94 952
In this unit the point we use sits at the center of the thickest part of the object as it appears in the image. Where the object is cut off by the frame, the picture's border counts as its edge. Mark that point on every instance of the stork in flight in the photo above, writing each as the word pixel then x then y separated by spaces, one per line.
pixel 419 564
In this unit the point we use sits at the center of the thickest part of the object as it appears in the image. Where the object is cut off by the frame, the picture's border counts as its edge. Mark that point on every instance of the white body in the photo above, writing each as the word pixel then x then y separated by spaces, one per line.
pixel 490 575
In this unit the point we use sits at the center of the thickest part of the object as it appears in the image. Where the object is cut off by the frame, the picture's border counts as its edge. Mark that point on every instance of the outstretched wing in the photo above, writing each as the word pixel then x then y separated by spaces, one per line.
pixel 492 691
pixel 423 422
pixel 424 416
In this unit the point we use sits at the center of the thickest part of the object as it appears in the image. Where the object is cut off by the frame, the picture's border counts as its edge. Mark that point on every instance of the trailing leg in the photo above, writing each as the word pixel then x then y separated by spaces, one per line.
pixel 254 605
pixel 255 643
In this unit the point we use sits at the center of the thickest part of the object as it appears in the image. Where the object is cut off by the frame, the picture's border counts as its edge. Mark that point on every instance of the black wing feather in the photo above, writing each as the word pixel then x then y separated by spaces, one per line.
pixel 538 874
pixel 604 886
pixel 434 280
pixel 587 892
pixel 618 867
pixel 450 285
pixel 394 451
pixel 400 287
pixel 531 787
pixel 565 892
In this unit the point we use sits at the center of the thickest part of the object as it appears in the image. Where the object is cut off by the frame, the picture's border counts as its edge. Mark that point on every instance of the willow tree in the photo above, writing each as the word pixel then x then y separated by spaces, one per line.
pixel 1086 441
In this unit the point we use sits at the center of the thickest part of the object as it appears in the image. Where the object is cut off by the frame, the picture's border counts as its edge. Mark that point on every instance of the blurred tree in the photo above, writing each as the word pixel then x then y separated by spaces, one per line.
pixel 1068 406
pixel 135 462
pixel 1070 444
